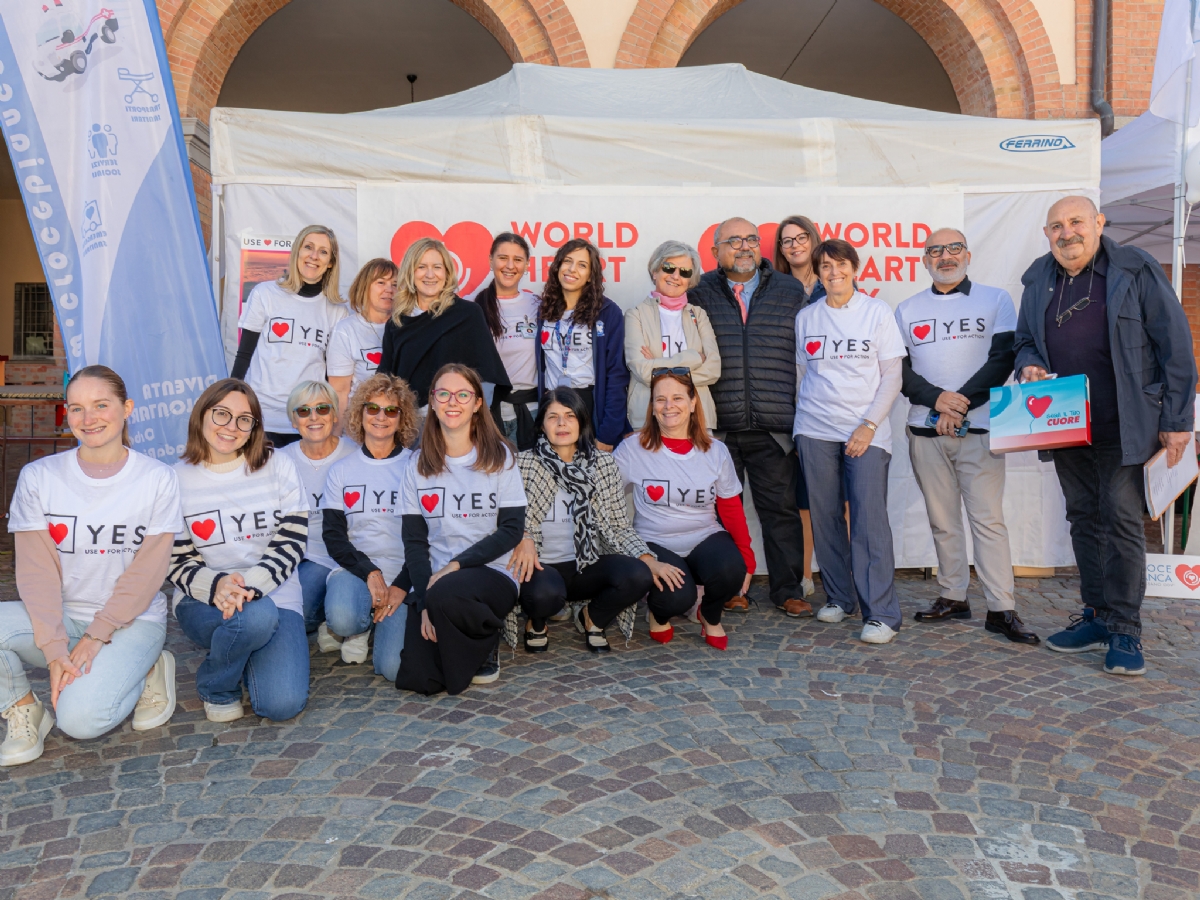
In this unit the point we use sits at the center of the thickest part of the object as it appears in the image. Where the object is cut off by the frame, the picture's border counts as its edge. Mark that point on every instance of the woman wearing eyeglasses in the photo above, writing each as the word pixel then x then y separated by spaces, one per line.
pixel 582 339
pixel 361 499
pixel 665 331
pixel 245 520
pixel 356 345
pixel 313 411
pixel 286 326
pixel 849 352
pixel 687 507
pixel 795 241
pixel 463 512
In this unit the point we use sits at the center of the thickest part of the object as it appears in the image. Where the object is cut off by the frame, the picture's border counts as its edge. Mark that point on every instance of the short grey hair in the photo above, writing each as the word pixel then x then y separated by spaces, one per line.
pixel 669 250
pixel 957 231
pixel 306 393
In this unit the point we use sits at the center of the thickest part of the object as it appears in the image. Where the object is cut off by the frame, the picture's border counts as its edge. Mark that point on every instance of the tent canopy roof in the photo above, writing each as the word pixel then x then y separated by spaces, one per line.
pixel 716 125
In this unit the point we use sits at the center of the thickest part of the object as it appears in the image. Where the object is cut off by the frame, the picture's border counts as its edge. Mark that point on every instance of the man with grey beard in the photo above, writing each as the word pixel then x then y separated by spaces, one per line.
pixel 959 337
pixel 1094 307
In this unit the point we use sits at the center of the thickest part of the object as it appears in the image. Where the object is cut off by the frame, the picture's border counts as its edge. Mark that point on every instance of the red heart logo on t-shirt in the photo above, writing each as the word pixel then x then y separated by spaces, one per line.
pixel 1190 576
pixel 374 358
pixel 654 492
pixel 545 336
pixel 204 530
pixel 430 502
pixel 812 347
pixel 58 531
pixel 351 497
pixel 468 243
pixel 1037 405
pixel 280 328
pixel 921 332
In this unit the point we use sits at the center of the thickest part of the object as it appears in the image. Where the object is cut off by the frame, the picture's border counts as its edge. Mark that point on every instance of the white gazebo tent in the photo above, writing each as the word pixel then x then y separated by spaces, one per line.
pixel 717 128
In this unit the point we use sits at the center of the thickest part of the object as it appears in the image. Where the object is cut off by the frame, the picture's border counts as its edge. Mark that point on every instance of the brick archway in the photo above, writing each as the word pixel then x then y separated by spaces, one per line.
pixel 204 36
pixel 996 52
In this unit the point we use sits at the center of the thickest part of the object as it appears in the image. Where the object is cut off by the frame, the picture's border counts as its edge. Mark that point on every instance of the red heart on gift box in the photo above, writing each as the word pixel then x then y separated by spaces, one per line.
pixel 430 502
pixel 58 531
pixel 921 332
pixel 1189 575
pixel 1037 405
pixel 374 358
pixel 280 328
pixel 468 243
pixel 812 347
pixel 654 492
pixel 204 530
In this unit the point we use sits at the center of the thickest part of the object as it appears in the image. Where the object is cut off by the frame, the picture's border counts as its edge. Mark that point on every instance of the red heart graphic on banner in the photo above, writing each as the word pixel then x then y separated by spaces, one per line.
pixel 430 502
pixel 812 347
pixel 58 531
pixel 351 497
pixel 280 328
pixel 468 243
pixel 654 492
pixel 374 358
pixel 1189 575
pixel 204 530
pixel 921 332
pixel 766 244
pixel 266 242
pixel 1037 405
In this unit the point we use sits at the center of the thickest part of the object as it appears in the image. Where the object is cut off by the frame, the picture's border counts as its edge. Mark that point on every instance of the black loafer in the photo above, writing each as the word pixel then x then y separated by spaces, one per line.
pixel 593 638
pixel 1010 625
pixel 943 609
pixel 537 641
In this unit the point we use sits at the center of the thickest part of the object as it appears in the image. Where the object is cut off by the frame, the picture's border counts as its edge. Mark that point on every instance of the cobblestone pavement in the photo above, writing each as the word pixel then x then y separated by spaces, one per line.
pixel 800 764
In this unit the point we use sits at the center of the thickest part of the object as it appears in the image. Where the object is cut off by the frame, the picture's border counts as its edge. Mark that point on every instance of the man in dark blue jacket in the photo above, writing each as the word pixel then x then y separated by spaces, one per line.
pixel 1096 308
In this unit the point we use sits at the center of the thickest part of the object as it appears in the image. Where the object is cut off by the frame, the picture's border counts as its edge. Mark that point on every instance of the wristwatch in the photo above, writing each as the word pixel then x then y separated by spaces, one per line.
pixel 870 425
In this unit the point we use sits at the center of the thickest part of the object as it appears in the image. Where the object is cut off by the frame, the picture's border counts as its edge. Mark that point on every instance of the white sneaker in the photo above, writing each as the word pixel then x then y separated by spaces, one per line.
pixel 28 726
pixel 831 613
pixel 563 615
pixel 157 703
pixel 807 587
pixel 876 633
pixel 327 641
pixel 354 648
pixel 223 712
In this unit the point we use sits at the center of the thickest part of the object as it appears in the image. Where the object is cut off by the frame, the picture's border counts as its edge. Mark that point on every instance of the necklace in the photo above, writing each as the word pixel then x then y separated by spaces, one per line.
pixel 1060 316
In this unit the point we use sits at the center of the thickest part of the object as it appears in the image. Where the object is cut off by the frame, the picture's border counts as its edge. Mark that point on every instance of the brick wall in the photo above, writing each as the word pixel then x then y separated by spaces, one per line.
pixel 1191 301
pixel 1134 29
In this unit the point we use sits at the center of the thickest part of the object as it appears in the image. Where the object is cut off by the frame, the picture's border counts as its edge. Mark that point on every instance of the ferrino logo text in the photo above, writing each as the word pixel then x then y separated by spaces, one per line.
pixel 1036 143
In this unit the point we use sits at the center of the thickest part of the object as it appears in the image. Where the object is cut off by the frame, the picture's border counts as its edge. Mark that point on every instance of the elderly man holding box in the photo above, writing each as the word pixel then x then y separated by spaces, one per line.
pixel 1096 308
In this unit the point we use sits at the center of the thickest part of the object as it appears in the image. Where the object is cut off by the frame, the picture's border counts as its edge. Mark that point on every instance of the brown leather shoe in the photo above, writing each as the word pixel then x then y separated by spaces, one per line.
pixel 797 609
pixel 737 603
pixel 943 609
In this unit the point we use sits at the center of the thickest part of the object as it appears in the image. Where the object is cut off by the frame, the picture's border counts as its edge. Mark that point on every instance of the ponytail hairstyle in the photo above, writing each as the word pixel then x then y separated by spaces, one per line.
pixel 587 311
pixel 492 449
pixel 115 383
pixel 257 449
pixel 651 437
pixel 292 281
pixel 487 299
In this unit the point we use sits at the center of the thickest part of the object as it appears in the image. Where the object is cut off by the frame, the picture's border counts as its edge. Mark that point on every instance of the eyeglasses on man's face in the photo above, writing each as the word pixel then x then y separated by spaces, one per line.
pixel 739 241
pixel 934 251
pixel 321 409
pixel 443 396
pixel 221 417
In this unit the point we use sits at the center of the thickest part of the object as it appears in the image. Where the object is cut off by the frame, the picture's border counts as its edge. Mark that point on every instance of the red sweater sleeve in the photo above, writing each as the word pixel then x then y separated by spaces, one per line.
pixel 733 517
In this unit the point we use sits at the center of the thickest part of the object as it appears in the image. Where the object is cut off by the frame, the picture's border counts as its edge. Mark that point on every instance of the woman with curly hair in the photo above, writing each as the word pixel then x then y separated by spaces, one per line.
pixel 582 339
pixel 359 509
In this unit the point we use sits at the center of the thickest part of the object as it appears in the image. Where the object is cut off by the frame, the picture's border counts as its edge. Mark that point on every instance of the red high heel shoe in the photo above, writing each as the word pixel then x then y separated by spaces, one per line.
pixel 664 636
pixel 717 643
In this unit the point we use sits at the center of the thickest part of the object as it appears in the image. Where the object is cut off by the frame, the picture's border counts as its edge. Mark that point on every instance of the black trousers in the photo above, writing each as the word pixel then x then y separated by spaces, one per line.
pixel 611 583
pixel 715 563
pixel 1105 503
pixel 772 472
pixel 467 609
pixel 279 439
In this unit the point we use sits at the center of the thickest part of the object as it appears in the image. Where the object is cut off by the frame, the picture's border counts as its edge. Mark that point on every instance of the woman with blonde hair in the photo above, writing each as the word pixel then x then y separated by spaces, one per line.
pixel 431 326
pixel 286 326
pixel 665 331
pixel 362 496
pixel 356 345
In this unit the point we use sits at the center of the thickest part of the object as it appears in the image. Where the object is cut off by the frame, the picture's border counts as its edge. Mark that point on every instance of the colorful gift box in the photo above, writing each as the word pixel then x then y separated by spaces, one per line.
pixel 1041 415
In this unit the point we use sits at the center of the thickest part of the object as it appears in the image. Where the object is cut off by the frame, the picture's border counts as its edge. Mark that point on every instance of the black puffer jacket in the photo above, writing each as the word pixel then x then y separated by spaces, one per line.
pixel 757 388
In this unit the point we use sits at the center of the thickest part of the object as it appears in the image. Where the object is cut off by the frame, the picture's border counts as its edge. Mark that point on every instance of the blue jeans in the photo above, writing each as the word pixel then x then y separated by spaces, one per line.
pixel 858 571
pixel 348 612
pixel 312 583
pixel 100 700
pixel 265 646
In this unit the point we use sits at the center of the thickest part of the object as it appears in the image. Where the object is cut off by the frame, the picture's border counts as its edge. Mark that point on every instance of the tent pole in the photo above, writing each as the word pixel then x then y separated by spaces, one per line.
pixel 215 255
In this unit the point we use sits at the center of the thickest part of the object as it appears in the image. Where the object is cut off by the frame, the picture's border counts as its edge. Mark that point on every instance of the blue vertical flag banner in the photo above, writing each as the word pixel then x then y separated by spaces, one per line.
pixel 88 110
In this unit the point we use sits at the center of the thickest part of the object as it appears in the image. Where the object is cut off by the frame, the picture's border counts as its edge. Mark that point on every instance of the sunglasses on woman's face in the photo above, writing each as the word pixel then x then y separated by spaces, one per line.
pixel 321 409
pixel 671 269
pixel 374 409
